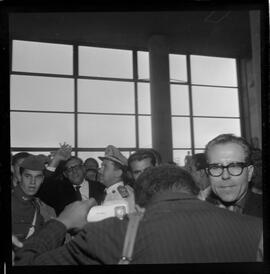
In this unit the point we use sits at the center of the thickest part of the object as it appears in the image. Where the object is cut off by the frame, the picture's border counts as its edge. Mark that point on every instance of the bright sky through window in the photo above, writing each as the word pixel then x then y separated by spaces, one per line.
pixel 110 103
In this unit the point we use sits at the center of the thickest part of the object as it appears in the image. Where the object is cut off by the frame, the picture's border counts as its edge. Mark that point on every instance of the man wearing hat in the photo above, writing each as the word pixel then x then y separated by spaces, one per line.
pixel 112 175
pixel 26 216
pixel 196 167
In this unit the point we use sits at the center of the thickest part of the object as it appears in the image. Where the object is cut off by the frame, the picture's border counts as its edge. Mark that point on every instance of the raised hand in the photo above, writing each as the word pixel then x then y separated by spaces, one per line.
pixel 62 154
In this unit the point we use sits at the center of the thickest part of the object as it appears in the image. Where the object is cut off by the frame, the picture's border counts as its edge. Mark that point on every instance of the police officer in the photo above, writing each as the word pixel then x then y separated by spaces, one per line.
pixel 112 173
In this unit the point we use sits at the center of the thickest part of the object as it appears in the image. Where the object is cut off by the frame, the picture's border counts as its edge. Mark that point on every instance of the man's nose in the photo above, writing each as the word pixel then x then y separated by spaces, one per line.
pixel 32 181
pixel 225 175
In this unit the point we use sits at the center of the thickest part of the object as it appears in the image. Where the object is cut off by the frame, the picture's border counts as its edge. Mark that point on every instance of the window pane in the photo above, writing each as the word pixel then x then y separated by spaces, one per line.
pixel 215 101
pixel 143 65
pixel 179 156
pixel 42 57
pixel 144 99
pixel 205 129
pixel 178 67
pixel 181 132
pixel 91 154
pixel 95 154
pixel 199 151
pixel 104 62
pixel 46 153
pixel 106 96
pixel 145 132
pixel 213 71
pixel 41 93
pixel 179 100
pixel 41 129
pixel 104 130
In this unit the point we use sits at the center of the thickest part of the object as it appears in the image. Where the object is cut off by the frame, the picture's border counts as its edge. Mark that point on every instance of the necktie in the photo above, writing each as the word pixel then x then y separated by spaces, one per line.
pixel 78 193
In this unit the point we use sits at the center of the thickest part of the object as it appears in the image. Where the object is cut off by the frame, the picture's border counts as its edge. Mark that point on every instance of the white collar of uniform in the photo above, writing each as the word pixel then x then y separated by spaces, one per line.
pixel 114 187
pixel 83 183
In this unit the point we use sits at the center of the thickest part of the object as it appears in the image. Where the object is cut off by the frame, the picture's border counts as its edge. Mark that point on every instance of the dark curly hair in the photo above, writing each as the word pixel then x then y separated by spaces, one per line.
pixel 162 178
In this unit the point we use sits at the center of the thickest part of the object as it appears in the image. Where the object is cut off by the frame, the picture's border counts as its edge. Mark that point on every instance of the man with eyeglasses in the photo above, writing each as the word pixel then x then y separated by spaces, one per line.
pixel 59 190
pixel 230 170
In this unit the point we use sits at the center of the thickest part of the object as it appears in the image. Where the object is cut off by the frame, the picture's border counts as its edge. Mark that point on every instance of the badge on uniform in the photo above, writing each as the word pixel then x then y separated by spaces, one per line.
pixel 123 191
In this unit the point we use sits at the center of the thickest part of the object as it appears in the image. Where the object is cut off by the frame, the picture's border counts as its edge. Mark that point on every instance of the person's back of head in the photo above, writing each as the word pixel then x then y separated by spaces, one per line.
pixel 196 167
pixel 163 178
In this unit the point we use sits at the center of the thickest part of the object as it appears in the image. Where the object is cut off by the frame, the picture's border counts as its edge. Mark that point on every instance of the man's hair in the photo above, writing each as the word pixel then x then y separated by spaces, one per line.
pixel 92 160
pixel 22 169
pixel 142 154
pixel 161 178
pixel 73 158
pixel 230 138
pixel 18 156
pixel 198 160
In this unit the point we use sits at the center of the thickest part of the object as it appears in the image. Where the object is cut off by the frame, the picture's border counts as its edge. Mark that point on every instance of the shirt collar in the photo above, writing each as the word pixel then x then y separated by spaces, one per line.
pixel 113 187
pixel 83 183
pixel 240 203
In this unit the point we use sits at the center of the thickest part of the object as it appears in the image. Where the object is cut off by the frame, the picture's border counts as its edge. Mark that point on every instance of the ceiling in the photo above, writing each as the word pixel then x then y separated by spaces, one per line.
pixel 221 33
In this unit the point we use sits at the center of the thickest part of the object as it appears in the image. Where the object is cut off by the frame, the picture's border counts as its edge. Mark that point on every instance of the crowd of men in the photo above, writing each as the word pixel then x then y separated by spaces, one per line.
pixel 204 212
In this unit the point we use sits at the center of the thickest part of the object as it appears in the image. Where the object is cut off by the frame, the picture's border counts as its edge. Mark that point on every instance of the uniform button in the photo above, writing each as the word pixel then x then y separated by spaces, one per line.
pixel 113 191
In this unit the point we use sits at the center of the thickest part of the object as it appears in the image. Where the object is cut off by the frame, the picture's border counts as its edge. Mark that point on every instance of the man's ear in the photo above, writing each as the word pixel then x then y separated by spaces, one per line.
pixel 250 172
pixel 202 172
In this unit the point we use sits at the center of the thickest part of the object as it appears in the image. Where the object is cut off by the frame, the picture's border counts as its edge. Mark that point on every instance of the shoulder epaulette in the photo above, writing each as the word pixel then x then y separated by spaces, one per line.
pixel 123 191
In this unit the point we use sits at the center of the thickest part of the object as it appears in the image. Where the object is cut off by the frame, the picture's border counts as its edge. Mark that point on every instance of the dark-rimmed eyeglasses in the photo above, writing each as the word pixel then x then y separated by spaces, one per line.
pixel 73 168
pixel 234 169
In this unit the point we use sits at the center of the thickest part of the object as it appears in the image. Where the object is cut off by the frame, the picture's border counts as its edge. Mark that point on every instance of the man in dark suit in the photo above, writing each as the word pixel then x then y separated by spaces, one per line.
pixel 59 191
pixel 230 170
pixel 96 189
pixel 176 228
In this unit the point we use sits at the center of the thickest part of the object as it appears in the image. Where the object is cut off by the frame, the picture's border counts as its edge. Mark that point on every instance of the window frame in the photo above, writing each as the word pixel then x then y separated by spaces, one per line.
pixel 75 76
pixel 191 115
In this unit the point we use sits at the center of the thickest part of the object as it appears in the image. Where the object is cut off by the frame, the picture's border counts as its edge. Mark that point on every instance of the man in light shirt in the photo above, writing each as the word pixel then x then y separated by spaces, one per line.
pixel 112 175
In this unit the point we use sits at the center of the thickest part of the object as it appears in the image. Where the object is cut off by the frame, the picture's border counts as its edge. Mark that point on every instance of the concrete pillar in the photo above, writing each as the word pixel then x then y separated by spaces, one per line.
pixel 160 96
pixel 255 79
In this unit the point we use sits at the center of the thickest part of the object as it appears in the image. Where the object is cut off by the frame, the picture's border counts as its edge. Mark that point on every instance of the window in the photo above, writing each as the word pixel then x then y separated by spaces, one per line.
pixel 102 103
pixel 91 97
pixel 204 101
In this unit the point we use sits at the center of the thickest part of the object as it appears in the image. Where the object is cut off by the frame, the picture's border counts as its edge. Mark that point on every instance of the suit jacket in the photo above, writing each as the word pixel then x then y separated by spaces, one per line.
pixel 252 204
pixel 59 192
pixel 176 228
